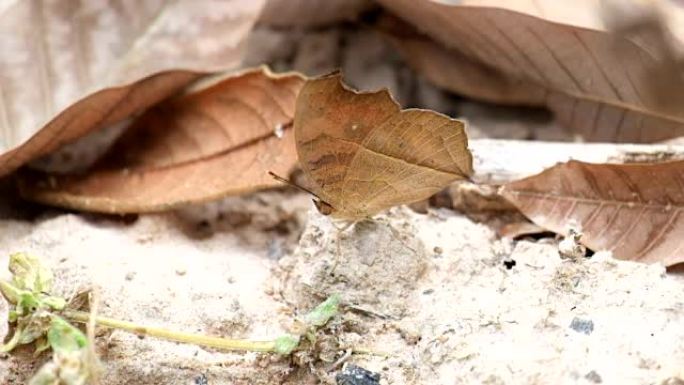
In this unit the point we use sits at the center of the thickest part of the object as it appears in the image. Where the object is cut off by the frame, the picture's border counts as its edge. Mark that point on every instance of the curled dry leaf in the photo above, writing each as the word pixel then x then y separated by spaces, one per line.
pixel 68 68
pixel 599 84
pixel 206 144
pixel 634 210
pixel 363 154
pixel 311 13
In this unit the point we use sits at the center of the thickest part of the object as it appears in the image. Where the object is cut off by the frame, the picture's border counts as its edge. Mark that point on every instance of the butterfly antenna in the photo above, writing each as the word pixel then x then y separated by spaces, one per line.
pixel 290 183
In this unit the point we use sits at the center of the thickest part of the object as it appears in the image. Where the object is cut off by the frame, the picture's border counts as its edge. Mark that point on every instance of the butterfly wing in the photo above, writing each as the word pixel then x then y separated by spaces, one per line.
pixel 364 155
pixel 407 158
pixel 330 124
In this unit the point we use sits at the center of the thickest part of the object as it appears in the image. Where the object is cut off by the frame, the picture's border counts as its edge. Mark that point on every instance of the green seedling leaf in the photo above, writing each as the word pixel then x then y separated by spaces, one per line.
pixel 33 305
pixel 42 345
pixel 28 303
pixel 322 313
pixel 63 336
pixel 13 342
pixel 55 303
pixel 29 328
pixel 33 327
pixel 70 363
pixel 286 344
pixel 10 292
pixel 29 274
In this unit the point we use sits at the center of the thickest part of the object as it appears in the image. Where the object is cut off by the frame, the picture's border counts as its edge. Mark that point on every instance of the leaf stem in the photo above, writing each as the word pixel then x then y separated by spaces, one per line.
pixel 197 339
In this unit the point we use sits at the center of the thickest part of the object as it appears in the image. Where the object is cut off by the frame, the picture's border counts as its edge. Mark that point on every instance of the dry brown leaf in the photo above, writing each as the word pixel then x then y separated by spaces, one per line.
pixel 456 72
pixel 634 210
pixel 599 84
pixel 311 13
pixel 363 154
pixel 217 141
pixel 68 68
pixel 471 197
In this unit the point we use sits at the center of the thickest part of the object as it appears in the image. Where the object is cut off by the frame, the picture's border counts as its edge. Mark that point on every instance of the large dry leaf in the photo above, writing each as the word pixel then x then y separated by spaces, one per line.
pixel 363 154
pixel 69 67
pixel 634 210
pixel 311 13
pixel 599 84
pixel 456 72
pixel 217 141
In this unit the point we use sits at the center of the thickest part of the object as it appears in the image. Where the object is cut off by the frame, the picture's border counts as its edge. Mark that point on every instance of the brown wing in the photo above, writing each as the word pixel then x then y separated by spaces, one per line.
pixel 409 157
pixel 364 155
pixel 330 123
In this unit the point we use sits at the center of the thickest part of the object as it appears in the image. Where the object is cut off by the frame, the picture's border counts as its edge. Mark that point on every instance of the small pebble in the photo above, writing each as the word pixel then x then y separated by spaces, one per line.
pixel 181 271
pixel 130 275
pixel 580 325
pixel 355 375
pixel 593 377
pixel 201 379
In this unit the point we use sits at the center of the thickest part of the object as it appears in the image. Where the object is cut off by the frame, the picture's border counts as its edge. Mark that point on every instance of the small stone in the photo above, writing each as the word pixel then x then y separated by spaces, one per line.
pixel 355 375
pixel 580 325
pixel 438 250
pixel 201 380
pixel 130 275
pixel 593 377
pixel 181 271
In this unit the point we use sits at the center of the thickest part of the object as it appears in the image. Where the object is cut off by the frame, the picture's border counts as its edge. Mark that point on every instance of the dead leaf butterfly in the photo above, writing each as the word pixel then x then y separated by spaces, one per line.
pixel 362 154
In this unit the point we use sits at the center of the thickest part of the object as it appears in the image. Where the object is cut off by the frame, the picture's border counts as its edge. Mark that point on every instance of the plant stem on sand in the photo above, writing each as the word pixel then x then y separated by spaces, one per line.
pixel 197 339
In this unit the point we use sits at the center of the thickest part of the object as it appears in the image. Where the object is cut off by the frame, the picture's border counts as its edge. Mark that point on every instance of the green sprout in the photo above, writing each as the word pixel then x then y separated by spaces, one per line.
pixel 33 305
pixel 70 364
pixel 314 319
pixel 322 313
pixel 286 344
pixel 44 319
pixel 65 337
pixel 29 274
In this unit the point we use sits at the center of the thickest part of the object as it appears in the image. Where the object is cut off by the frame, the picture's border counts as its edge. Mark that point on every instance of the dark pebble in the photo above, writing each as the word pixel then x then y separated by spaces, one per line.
pixel 580 325
pixel 355 375
pixel 593 377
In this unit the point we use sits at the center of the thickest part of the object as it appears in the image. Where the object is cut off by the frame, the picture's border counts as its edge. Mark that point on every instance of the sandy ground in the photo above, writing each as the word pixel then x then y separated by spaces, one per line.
pixel 436 297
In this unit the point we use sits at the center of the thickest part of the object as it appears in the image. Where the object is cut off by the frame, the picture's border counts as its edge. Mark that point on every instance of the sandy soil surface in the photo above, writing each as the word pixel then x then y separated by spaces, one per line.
pixel 435 298
pixel 430 299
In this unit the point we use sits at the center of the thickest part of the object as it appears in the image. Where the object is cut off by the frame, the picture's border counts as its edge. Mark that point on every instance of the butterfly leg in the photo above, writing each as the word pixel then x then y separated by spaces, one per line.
pixel 338 253
pixel 338 240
